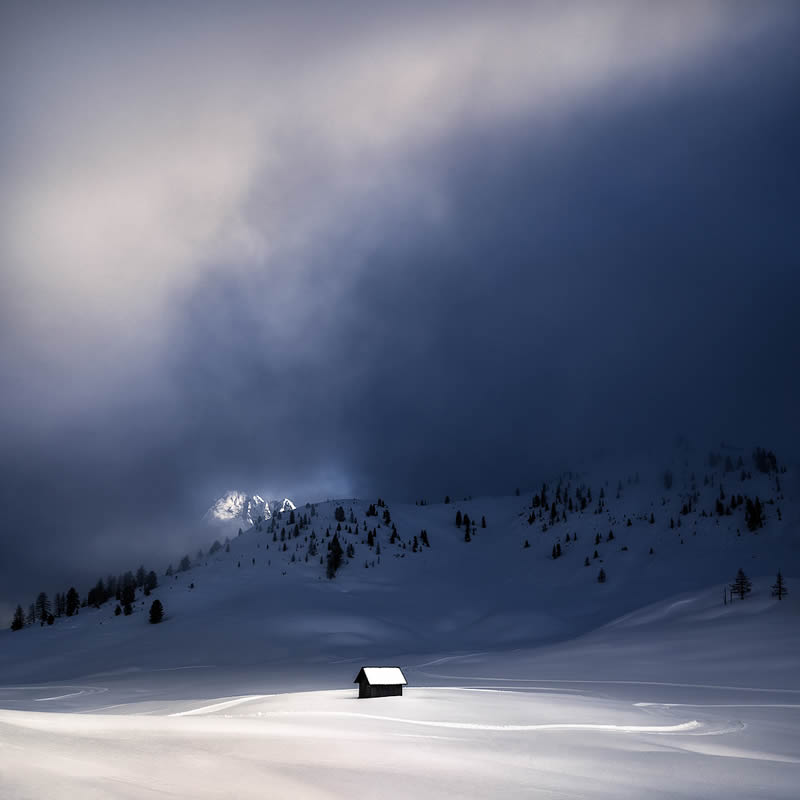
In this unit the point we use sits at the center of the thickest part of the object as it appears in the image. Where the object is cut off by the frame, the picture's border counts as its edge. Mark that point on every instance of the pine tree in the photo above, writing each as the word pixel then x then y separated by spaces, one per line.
pixel 335 554
pixel 779 589
pixel 73 601
pixel 601 576
pixel 459 519
pixel 156 612
pixel 741 585
pixel 42 606
pixel 18 621
pixel 483 522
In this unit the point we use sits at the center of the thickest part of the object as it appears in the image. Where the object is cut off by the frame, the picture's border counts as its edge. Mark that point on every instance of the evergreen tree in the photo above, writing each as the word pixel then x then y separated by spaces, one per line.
pixel 601 576
pixel 483 522
pixel 42 606
pixel 339 514
pixel 779 589
pixel 741 585
pixel 73 601
pixel 30 617
pixel 335 554
pixel 754 514
pixel 156 612
pixel 18 621
pixel 185 564
pixel 458 519
pixel 128 593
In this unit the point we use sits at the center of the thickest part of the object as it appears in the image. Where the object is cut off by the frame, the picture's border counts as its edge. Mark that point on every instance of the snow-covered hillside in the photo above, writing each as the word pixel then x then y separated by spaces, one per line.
pixel 526 673
pixel 265 594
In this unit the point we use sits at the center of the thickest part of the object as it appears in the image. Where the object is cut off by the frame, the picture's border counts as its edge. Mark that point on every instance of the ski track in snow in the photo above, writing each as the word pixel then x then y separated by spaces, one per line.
pixel 210 709
pixel 718 705
pixel 82 691
pixel 683 727
pixel 612 683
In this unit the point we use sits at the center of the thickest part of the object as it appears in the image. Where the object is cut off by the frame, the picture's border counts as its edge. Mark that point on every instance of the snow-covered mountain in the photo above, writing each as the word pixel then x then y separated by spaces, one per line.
pixel 236 509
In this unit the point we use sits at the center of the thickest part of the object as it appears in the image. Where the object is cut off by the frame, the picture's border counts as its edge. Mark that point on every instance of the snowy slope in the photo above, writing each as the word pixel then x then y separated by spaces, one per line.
pixel 526 675
pixel 251 602
pixel 672 701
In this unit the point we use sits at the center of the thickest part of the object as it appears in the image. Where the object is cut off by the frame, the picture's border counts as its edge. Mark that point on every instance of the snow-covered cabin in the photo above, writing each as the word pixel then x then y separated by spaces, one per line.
pixel 380 681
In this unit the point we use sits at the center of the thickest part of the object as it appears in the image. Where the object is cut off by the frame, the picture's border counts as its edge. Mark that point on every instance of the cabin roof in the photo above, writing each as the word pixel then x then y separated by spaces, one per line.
pixel 381 676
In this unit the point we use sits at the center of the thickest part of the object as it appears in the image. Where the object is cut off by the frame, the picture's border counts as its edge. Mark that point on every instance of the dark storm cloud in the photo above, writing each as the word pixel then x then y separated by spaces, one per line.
pixel 493 301
pixel 630 279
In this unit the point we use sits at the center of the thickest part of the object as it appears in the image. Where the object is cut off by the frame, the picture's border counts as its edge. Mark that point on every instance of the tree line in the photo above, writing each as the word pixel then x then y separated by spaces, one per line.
pixel 122 588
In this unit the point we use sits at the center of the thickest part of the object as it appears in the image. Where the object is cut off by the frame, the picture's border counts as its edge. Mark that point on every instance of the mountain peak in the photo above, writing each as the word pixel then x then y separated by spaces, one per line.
pixel 236 509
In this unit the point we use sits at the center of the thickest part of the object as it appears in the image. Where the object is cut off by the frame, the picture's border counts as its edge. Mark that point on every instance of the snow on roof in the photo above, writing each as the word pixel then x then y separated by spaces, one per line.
pixel 380 676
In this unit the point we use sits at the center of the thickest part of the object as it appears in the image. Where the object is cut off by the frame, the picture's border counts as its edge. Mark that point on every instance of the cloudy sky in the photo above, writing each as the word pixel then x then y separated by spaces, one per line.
pixel 325 249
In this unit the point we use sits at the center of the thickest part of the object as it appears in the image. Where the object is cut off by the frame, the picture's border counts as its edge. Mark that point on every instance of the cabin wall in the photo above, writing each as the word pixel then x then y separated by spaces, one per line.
pixel 379 690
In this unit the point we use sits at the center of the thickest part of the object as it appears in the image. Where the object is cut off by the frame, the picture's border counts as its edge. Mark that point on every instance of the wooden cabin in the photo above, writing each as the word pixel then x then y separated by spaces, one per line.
pixel 380 681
